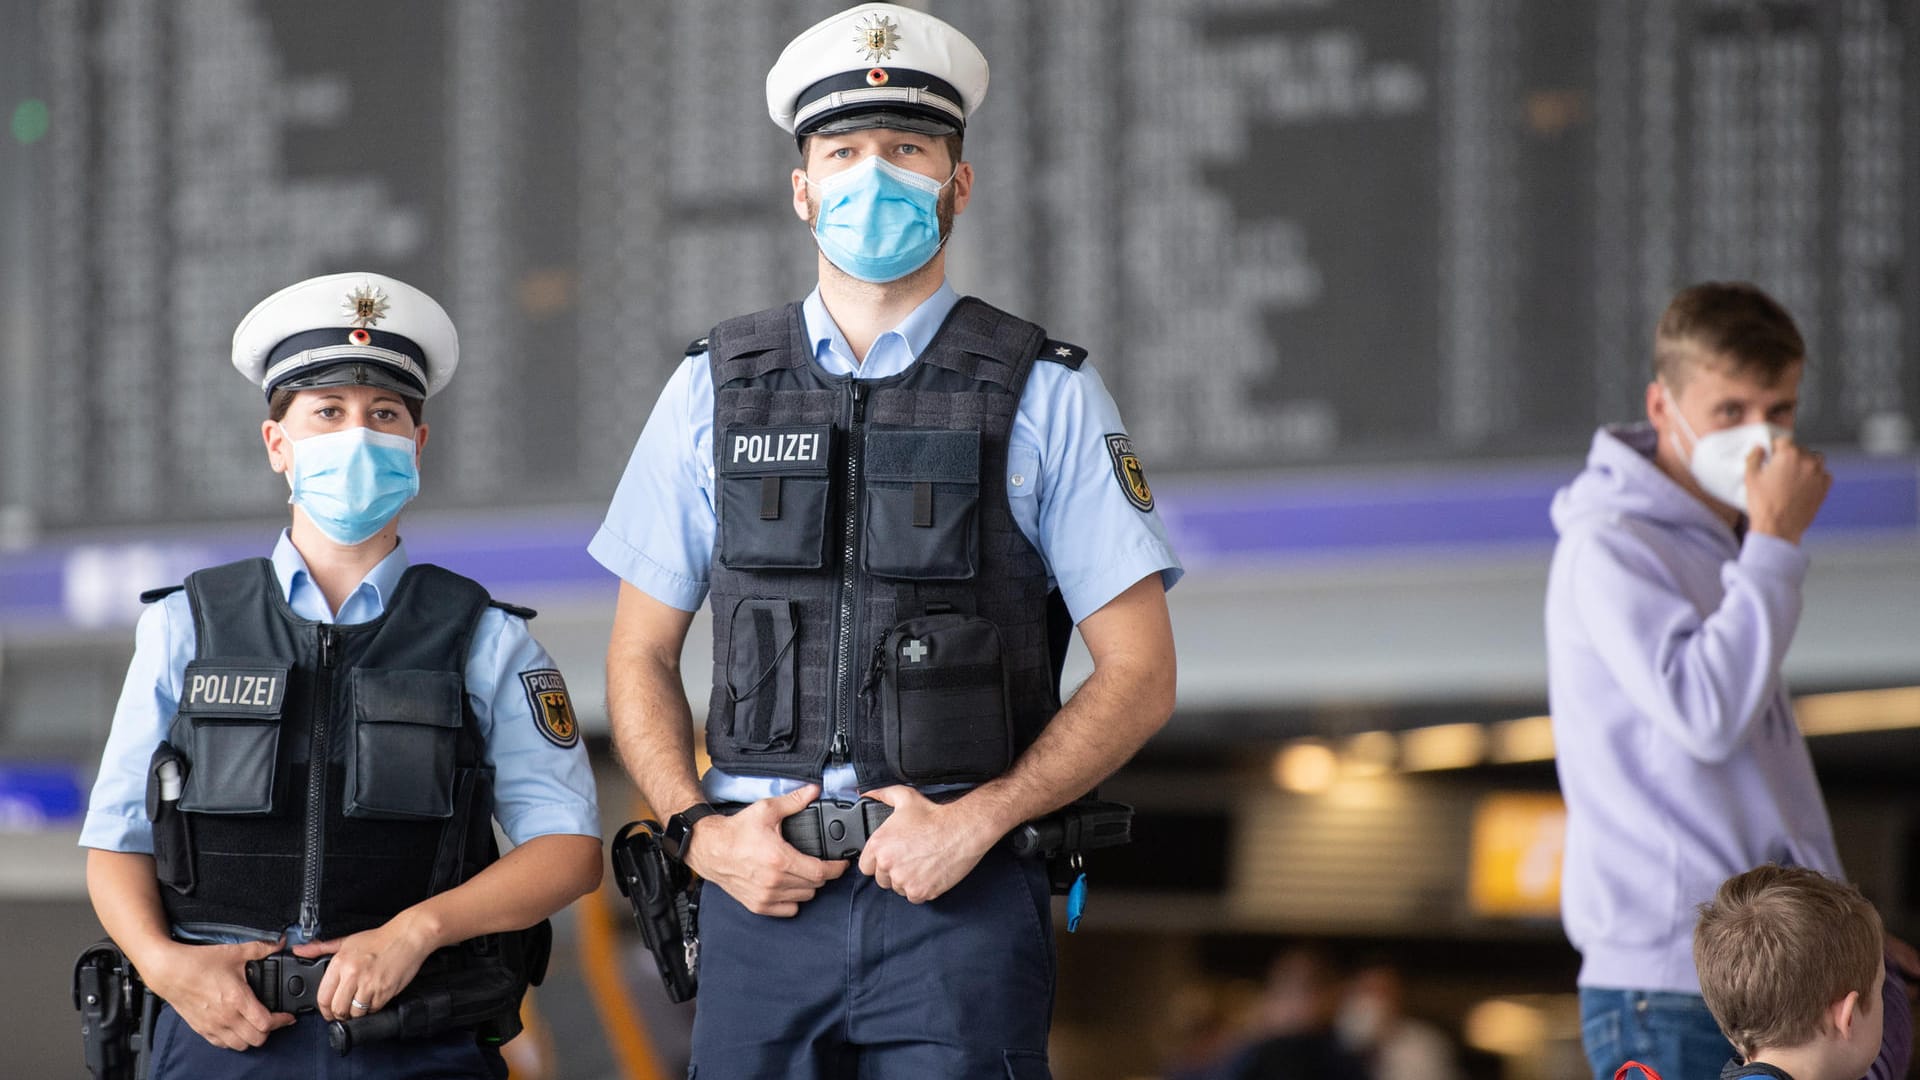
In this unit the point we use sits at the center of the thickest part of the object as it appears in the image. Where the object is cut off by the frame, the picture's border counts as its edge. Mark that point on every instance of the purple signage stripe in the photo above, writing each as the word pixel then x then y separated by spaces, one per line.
pixel 1276 519
pixel 517 555
pixel 1280 519
pixel 31 579
pixel 41 791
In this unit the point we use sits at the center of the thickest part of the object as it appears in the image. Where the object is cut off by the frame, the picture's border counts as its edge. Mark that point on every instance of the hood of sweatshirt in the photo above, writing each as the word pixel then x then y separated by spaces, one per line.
pixel 1622 479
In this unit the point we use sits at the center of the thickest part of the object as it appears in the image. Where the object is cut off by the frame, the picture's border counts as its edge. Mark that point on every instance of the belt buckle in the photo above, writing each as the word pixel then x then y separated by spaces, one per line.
pixel 299 981
pixel 843 829
pixel 287 983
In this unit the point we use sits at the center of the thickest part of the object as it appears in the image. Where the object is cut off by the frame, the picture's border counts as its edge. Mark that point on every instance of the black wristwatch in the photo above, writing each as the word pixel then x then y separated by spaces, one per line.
pixel 680 827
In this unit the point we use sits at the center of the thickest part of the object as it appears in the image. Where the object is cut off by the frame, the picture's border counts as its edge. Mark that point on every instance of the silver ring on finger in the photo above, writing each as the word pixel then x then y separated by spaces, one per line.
pixel 361 1005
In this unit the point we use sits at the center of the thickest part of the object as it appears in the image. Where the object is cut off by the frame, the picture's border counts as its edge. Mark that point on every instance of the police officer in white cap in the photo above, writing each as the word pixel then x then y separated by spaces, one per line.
pixel 877 490
pixel 311 749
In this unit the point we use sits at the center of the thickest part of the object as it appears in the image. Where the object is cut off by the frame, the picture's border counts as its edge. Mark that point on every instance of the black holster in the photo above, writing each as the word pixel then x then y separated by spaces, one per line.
pixel 1066 835
pixel 478 984
pixel 666 905
pixel 116 1012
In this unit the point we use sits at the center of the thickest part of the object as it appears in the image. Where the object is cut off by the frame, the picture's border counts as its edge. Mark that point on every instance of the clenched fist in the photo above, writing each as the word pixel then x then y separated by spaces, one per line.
pixel 1785 489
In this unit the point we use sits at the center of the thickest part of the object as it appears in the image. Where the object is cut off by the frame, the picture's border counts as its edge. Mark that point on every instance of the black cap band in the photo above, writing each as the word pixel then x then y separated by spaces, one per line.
pixel 306 354
pixel 881 88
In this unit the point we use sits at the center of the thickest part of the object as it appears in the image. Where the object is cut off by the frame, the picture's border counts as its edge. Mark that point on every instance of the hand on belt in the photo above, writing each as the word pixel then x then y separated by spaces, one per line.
pixel 287 983
pixel 836 829
pixel 833 829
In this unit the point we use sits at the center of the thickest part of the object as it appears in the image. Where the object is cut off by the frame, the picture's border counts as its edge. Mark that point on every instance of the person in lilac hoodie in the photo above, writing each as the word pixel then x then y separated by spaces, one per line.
pixel 1674 594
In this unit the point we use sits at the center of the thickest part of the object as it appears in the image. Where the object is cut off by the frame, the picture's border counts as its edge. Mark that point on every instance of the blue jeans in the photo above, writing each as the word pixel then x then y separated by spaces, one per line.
pixel 301 1052
pixel 862 984
pixel 1673 1033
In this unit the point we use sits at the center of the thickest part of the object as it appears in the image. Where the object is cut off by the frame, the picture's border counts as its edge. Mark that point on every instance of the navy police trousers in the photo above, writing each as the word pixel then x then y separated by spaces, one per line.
pixel 862 984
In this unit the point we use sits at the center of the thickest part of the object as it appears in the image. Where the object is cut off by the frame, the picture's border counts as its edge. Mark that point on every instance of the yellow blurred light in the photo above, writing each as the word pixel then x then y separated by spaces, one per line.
pixel 1367 793
pixel 1526 739
pixel 1519 842
pixel 1859 710
pixel 1306 766
pixel 1444 746
pixel 1369 753
pixel 1508 1028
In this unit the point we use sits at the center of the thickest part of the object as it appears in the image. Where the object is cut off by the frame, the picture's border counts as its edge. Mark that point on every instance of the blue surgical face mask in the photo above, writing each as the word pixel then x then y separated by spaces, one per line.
pixel 878 222
pixel 352 482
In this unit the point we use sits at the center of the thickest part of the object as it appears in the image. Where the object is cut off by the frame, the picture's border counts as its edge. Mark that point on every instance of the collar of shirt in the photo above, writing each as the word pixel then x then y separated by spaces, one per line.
pixel 363 604
pixel 892 352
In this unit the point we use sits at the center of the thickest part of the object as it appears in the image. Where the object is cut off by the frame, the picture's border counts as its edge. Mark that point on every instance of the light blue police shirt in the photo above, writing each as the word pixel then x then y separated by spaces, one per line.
pixel 540 788
pixel 1068 499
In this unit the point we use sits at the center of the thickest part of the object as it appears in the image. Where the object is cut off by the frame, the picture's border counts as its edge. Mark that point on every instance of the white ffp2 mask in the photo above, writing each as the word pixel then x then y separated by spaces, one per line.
pixel 1718 460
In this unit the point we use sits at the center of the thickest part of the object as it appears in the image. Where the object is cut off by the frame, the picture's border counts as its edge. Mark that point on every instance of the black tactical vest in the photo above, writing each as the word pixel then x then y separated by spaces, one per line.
pixel 333 773
pixel 873 601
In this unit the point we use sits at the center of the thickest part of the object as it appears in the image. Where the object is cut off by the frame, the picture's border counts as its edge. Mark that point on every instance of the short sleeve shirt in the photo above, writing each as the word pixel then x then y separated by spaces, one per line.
pixel 540 786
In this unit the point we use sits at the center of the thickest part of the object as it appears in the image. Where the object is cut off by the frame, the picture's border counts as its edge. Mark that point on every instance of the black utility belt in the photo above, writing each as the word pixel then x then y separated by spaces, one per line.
pixel 474 986
pixel 288 983
pixel 666 896
pixel 838 829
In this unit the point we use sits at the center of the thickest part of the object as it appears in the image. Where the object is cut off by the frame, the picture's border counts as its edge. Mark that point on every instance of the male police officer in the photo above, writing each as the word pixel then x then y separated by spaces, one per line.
pixel 877 487
pixel 310 749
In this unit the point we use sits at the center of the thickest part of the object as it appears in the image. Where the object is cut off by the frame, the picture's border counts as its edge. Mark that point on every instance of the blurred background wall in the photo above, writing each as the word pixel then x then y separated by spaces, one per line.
pixel 1363 275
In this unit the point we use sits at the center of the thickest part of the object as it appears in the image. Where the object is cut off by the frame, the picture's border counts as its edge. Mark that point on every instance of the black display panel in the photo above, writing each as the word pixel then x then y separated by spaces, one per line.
pixel 1291 233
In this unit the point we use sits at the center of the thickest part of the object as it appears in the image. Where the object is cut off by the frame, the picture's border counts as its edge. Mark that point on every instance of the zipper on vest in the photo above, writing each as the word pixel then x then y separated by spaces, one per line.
pixel 849 577
pixel 318 751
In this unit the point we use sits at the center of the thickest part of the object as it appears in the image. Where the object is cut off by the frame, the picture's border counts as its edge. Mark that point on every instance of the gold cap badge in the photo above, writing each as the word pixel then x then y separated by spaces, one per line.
pixel 365 306
pixel 877 36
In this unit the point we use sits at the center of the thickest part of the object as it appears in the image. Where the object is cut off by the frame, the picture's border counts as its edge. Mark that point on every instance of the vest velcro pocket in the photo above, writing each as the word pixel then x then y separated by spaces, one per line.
pixel 762 674
pixel 172 835
pixel 406 729
pixel 941 685
pixel 775 490
pixel 232 735
pixel 921 519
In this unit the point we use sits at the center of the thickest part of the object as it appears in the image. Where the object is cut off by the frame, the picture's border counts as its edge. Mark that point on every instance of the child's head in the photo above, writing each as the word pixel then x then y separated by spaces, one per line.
pixel 1789 958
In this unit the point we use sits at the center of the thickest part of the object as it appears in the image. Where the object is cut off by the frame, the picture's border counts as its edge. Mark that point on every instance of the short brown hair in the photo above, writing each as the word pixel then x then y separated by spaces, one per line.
pixel 280 401
pixel 1734 323
pixel 1776 947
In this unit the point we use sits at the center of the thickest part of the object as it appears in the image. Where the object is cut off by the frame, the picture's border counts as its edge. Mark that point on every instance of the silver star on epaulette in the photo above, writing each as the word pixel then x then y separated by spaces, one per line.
pixel 1063 350
pixel 364 306
pixel 877 37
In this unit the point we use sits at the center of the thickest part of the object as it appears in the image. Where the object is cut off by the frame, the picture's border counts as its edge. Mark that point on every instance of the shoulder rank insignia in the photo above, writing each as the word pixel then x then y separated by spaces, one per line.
pixel 1061 352
pixel 696 346
pixel 552 708
pixel 1131 474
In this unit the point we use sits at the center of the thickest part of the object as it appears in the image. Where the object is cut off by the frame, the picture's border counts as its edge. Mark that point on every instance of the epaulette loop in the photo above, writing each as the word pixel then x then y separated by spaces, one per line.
pixel 513 609
pixel 1064 353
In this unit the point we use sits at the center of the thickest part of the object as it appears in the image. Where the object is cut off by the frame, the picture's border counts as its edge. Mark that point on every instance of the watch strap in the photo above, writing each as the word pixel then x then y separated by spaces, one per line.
pixel 679 828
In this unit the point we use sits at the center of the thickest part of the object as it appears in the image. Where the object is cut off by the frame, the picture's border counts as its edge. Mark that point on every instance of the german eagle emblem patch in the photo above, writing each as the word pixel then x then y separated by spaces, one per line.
pixel 552 708
pixel 1131 474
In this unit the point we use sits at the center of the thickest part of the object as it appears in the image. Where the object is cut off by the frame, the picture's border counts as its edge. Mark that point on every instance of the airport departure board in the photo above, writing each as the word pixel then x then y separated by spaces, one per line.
pixel 1292 233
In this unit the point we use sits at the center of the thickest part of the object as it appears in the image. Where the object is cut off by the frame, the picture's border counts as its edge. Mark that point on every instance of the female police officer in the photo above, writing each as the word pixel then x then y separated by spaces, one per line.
pixel 310 749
